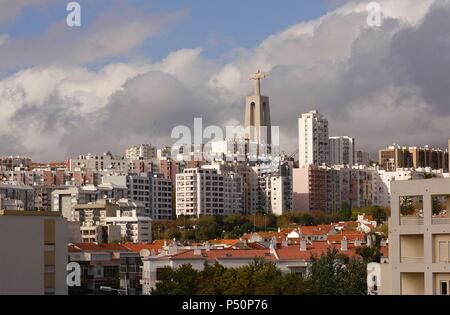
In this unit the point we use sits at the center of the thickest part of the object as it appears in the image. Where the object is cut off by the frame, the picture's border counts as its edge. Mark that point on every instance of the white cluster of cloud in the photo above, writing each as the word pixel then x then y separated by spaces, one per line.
pixel 382 85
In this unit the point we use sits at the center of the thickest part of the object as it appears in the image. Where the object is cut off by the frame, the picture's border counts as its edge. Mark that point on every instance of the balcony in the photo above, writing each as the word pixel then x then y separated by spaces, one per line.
pixel 412 249
pixel 411 210
pixel 440 205
pixel 440 220
pixel 411 221
pixel 412 260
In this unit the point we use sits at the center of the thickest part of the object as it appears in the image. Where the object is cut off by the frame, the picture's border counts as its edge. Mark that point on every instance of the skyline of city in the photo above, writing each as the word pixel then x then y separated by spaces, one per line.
pixel 53 98
pixel 236 149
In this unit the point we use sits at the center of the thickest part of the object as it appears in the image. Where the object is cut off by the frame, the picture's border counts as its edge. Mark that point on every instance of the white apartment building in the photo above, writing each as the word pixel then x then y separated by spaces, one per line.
pixel 234 149
pixel 151 189
pixel 110 221
pixel 135 225
pixel 270 188
pixel 138 187
pixel 313 139
pixel 419 239
pixel 92 193
pixel 205 191
pixel 64 201
pixel 106 161
pixel 342 150
pixel 92 216
pixel 280 195
pixel 142 151
pixel 33 251
pixel 162 193
pixel 18 191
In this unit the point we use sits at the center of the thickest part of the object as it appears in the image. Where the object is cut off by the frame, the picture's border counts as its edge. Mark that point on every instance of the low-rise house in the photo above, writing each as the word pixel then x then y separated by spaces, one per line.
pixel 135 225
pixel 109 265
pixel 288 258
pixel 366 223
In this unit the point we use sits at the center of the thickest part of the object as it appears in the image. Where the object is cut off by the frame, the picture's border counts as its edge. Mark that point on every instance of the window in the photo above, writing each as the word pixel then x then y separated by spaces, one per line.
pixel 443 288
pixel 444 247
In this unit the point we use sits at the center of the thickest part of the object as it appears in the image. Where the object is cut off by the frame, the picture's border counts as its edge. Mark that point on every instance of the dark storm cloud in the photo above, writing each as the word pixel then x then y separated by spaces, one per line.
pixel 420 57
pixel 379 85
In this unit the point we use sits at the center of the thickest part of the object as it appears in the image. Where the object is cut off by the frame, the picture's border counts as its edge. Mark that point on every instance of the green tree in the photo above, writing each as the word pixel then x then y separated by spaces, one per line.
pixel 345 214
pixel 181 281
pixel 336 274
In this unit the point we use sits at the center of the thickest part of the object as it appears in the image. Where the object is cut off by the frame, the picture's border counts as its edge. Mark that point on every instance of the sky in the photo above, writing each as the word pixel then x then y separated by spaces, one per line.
pixel 135 69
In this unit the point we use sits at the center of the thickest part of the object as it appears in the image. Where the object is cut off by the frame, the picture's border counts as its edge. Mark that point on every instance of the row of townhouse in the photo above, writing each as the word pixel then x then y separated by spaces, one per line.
pixel 288 257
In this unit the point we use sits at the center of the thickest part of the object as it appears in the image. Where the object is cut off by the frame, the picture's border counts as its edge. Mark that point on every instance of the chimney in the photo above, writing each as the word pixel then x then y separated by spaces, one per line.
pixel 383 243
pixel 344 244
pixel 173 248
pixel 273 245
pixel 303 245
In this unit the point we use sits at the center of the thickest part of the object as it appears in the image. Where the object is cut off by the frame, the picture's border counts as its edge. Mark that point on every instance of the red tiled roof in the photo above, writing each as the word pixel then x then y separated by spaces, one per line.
pixel 350 235
pixel 93 247
pixel 256 245
pixel 226 242
pixel 293 252
pixel 72 248
pixel 215 254
pixel 265 235
pixel 136 248
pixel 316 230
pixel 51 164
pixel 161 242
pixel 288 230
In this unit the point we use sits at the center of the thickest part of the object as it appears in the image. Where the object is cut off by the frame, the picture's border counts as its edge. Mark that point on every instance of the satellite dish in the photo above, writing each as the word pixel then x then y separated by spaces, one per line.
pixel 144 253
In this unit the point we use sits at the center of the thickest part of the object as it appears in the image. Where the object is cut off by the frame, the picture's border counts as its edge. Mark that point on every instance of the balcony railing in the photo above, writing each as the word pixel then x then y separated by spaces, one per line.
pixel 412 260
pixel 411 221
pixel 440 220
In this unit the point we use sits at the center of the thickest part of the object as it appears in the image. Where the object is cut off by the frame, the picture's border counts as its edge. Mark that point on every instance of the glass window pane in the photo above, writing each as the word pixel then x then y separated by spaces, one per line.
pixel 444 288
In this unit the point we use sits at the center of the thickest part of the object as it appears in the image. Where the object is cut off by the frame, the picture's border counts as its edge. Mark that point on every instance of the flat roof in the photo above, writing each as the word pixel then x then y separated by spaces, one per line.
pixel 30 213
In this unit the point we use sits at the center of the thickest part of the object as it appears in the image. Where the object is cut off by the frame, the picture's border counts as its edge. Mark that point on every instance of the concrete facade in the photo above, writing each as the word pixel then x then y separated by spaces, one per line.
pixel 419 237
pixel 313 145
pixel 33 253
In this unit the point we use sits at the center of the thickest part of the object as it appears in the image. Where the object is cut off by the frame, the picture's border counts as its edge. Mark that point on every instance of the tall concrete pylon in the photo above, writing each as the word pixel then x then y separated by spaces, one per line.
pixel 257 114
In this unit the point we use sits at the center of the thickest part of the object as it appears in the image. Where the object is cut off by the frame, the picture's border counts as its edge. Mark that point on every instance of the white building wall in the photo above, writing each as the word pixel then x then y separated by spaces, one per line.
pixel 313 139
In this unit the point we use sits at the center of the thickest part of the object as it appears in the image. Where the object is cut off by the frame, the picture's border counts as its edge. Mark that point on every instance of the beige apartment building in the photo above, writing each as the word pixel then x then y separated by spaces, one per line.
pixel 33 251
pixel 206 191
pixel 393 157
pixel 419 239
